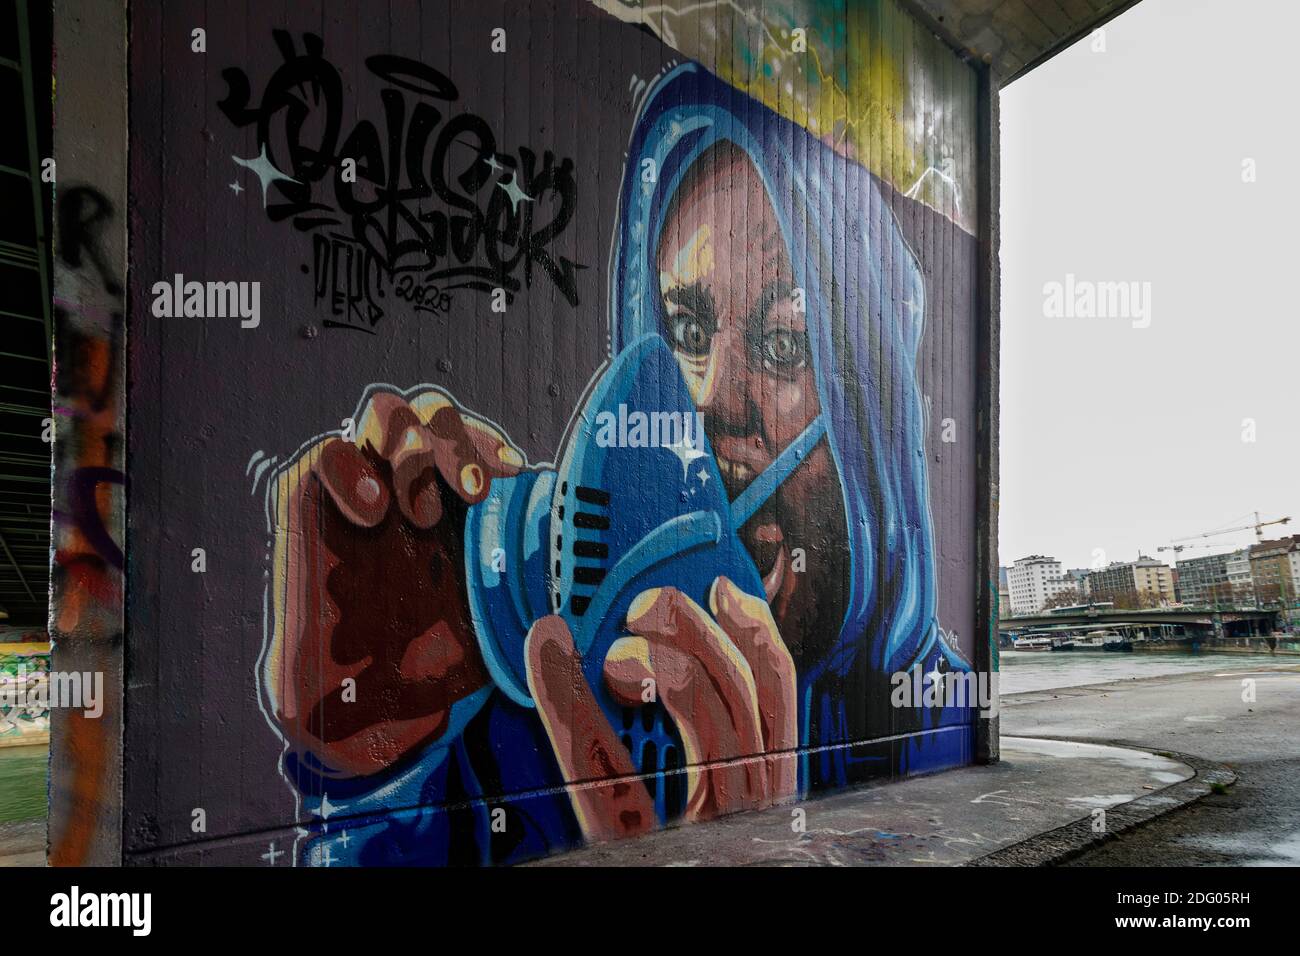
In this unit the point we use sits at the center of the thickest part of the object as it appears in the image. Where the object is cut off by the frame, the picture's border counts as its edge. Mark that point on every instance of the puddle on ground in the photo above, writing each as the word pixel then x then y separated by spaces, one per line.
pixel 1263 851
pixel 1157 769
pixel 1106 801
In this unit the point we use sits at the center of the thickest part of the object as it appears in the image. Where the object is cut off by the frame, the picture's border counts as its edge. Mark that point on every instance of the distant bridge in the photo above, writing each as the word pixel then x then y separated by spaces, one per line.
pixel 1195 618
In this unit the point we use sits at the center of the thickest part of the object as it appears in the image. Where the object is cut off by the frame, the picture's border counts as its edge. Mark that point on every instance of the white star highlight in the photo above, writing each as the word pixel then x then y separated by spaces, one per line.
pixel 271 854
pixel 516 194
pixel 264 170
pixel 936 676
pixel 686 453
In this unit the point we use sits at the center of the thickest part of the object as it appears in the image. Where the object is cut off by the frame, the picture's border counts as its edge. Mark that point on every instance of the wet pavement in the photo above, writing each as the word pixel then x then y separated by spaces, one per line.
pixel 1256 822
pixel 946 819
pixel 22 844
pixel 1044 792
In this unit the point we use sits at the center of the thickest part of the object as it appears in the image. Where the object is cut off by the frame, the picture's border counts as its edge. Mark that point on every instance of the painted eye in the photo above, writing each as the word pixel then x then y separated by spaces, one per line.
pixel 690 335
pixel 784 350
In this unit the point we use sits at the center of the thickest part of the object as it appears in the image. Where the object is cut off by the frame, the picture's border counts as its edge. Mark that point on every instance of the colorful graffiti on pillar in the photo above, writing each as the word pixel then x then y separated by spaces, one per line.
pixel 475 659
pixel 87 573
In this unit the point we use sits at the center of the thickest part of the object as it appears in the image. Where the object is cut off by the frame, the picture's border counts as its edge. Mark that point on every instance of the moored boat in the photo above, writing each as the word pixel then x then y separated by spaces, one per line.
pixel 1033 644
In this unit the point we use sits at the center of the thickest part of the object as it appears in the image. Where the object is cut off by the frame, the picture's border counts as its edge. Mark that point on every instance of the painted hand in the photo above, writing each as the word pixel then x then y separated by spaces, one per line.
pixel 726 679
pixel 368 581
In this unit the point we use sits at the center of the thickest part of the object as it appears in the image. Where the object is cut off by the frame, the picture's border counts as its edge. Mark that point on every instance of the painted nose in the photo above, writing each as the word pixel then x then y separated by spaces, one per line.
pixel 730 401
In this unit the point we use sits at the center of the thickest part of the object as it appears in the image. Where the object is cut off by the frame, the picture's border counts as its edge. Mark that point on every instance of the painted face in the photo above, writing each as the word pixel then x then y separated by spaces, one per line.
pixel 737 325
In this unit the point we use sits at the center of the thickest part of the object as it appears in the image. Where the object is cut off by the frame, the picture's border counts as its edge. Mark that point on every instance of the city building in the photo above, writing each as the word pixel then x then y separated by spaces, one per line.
pixel 1144 582
pixel 1004 594
pixel 1079 580
pixel 1239 577
pixel 1034 581
pixel 1275 570
pixel 1203 581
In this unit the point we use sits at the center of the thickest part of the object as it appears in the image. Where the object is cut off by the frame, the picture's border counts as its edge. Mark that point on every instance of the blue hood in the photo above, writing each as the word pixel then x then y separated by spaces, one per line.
pixel 865 300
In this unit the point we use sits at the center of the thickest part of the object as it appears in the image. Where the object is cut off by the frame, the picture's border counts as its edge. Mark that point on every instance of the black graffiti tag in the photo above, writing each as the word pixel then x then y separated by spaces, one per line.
pixel 433 196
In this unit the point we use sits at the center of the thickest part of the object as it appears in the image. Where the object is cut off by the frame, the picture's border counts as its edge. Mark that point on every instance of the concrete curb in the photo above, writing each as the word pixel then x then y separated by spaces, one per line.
pixel 1054 847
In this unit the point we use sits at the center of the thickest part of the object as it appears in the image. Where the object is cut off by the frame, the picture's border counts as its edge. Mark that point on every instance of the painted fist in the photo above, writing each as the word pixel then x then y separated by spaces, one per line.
pixel 371 640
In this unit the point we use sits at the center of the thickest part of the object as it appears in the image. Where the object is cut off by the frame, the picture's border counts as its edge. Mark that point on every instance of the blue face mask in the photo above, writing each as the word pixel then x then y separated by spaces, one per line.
pixel 637 502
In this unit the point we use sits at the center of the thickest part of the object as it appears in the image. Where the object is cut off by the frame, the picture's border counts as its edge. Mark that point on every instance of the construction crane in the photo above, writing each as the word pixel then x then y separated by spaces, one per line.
pixel 1183 547
pixel 1259 527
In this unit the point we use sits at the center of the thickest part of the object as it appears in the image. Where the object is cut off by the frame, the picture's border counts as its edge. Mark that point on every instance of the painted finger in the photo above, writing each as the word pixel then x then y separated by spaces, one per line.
pixel 374 426
pixel 390 429
pixel 470 453
pixel 499 456
pixel 747 620
pixel 584 743
pixel 717 783
pixel 424 434
pixel 628 673
pixel 353 482
pixel 669 618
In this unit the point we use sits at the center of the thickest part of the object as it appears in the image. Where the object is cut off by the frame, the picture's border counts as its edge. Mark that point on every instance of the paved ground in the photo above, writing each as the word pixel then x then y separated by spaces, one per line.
pixel 1039 799
pixel 22 844
pixel 946 819
pixel 1256 822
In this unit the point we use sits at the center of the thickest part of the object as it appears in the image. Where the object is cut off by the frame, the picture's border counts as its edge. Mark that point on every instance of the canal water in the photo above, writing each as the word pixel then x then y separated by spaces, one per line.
pixel 22 783
pixel 1022 671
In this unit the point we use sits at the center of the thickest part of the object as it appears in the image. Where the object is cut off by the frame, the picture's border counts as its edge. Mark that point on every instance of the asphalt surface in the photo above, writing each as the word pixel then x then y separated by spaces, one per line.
pixel 1255 822
pixel 22 844
pixel 946 819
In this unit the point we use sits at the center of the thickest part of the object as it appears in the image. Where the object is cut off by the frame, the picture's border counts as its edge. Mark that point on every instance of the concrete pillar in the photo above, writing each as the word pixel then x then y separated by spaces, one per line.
pixel 987 345
pixel 88 563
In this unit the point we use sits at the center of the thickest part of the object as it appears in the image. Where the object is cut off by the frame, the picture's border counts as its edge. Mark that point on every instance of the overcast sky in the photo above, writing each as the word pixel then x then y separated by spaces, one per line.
pixel 1127 165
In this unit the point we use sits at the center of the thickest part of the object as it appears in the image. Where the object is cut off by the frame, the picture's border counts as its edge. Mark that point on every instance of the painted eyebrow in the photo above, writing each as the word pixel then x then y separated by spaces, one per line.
pixel 694 297
pixel 771 294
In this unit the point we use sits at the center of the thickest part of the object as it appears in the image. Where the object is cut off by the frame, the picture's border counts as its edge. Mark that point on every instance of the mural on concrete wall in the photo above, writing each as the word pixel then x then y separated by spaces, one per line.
pixel 859 76
pixel 24 691
pixel 630 505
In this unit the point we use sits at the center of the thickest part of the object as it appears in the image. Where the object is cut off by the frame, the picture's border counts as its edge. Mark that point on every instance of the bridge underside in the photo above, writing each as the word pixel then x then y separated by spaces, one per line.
pixel 1012 36
pixel 1102 619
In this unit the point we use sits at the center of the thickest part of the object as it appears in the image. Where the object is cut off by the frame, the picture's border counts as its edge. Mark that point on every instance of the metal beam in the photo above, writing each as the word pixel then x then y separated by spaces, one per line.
pixel 12 560
pixel 19 315
pixel 33 160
